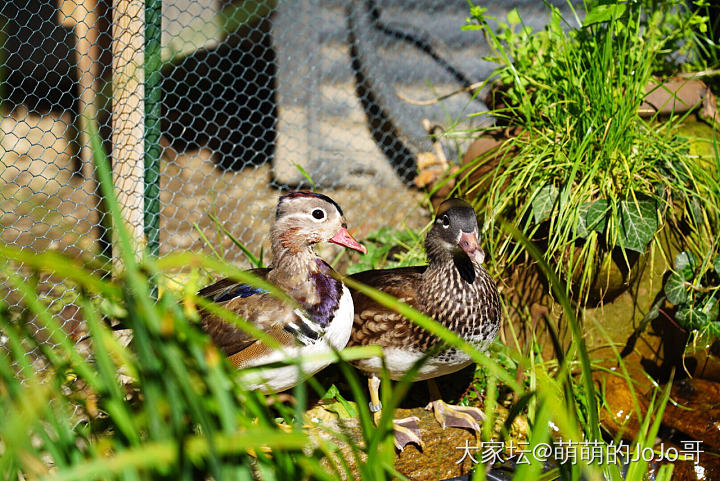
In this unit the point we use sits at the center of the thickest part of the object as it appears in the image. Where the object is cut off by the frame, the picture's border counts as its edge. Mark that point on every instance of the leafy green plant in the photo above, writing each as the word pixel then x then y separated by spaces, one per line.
pixel 693 287
pixel 388 248
pixel 586 176
pixel 702 39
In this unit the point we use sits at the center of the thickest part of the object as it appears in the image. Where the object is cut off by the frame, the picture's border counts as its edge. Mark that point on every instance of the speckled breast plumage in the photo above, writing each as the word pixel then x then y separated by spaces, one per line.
pixel 471 309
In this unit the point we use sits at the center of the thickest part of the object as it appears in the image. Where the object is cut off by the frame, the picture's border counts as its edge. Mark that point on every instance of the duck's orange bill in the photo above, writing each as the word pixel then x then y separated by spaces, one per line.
pixel 344 239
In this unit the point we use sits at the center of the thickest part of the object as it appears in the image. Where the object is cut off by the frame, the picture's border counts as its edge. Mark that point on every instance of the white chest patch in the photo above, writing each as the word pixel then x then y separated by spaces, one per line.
pixel 400 361
pixel 336 336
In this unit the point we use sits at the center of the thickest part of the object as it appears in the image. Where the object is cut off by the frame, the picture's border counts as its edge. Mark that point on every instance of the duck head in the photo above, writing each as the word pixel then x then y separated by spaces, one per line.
pixel 303 219
pixel 454 233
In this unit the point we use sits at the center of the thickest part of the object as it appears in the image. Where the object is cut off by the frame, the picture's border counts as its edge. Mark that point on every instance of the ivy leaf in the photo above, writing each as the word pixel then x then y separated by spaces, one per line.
pixel 682 315
pixel 638 224
pixel 710 308
pixel 653 313
pixel 582 227
pixel 691 317
pixel 543 201
pixel 676 289
pixel 593 216
pixel 685 263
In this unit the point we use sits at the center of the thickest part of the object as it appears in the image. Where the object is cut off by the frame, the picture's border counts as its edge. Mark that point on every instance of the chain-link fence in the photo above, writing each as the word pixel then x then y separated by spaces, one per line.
pixel 212 107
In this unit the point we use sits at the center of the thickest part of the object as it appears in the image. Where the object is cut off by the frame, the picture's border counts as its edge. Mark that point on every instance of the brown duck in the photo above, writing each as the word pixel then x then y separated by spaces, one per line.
pixel 454 289
pixel 323 320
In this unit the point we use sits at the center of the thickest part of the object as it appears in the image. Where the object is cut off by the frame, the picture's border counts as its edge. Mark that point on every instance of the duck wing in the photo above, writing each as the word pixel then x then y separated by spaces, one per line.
pixel 228 288
pixel 277 319
pixel 377 324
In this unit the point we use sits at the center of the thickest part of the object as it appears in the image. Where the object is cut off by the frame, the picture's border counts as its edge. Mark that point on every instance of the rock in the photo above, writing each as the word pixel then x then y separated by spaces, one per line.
pixel 441 458
pixel 447 453
pixel 443 450
pixel 704 362
pixel 485 154
pixel 695 411
pixel 618 414
pixel 442 455
pixel 612 273
pixel 677 96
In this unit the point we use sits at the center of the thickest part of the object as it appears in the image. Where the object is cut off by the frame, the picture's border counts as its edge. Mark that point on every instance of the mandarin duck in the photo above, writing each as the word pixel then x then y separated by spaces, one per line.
pixel 324 318
pixel 455 290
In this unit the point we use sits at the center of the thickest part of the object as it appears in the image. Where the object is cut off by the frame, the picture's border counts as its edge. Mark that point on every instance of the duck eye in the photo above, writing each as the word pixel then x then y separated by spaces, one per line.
pixel 445 221
pixel 319 214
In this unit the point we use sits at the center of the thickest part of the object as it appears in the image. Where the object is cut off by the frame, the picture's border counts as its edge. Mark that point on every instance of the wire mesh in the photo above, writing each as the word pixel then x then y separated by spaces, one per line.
pixel 218 110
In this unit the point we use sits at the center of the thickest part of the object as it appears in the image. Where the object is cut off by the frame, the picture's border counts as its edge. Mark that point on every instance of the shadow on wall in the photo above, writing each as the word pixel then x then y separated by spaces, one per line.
pixel 225 98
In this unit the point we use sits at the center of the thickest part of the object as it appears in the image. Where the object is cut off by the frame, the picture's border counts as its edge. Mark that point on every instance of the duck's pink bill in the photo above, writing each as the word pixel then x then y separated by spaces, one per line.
pixel 469 243
pixel 344 238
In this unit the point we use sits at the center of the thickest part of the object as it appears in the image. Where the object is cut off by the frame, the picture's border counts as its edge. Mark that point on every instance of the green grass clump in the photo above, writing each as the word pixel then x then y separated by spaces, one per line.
pixel 586 175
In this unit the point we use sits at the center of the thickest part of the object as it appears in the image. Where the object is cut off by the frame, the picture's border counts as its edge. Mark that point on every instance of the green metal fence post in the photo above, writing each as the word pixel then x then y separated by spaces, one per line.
pixel 153 64
pixel 3 59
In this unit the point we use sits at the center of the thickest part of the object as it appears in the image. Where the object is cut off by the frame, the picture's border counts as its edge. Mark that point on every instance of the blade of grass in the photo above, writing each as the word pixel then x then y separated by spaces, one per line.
pixel 255 261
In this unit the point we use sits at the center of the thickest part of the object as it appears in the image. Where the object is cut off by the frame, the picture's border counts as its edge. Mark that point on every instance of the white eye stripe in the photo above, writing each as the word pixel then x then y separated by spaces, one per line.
pixel 305 216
